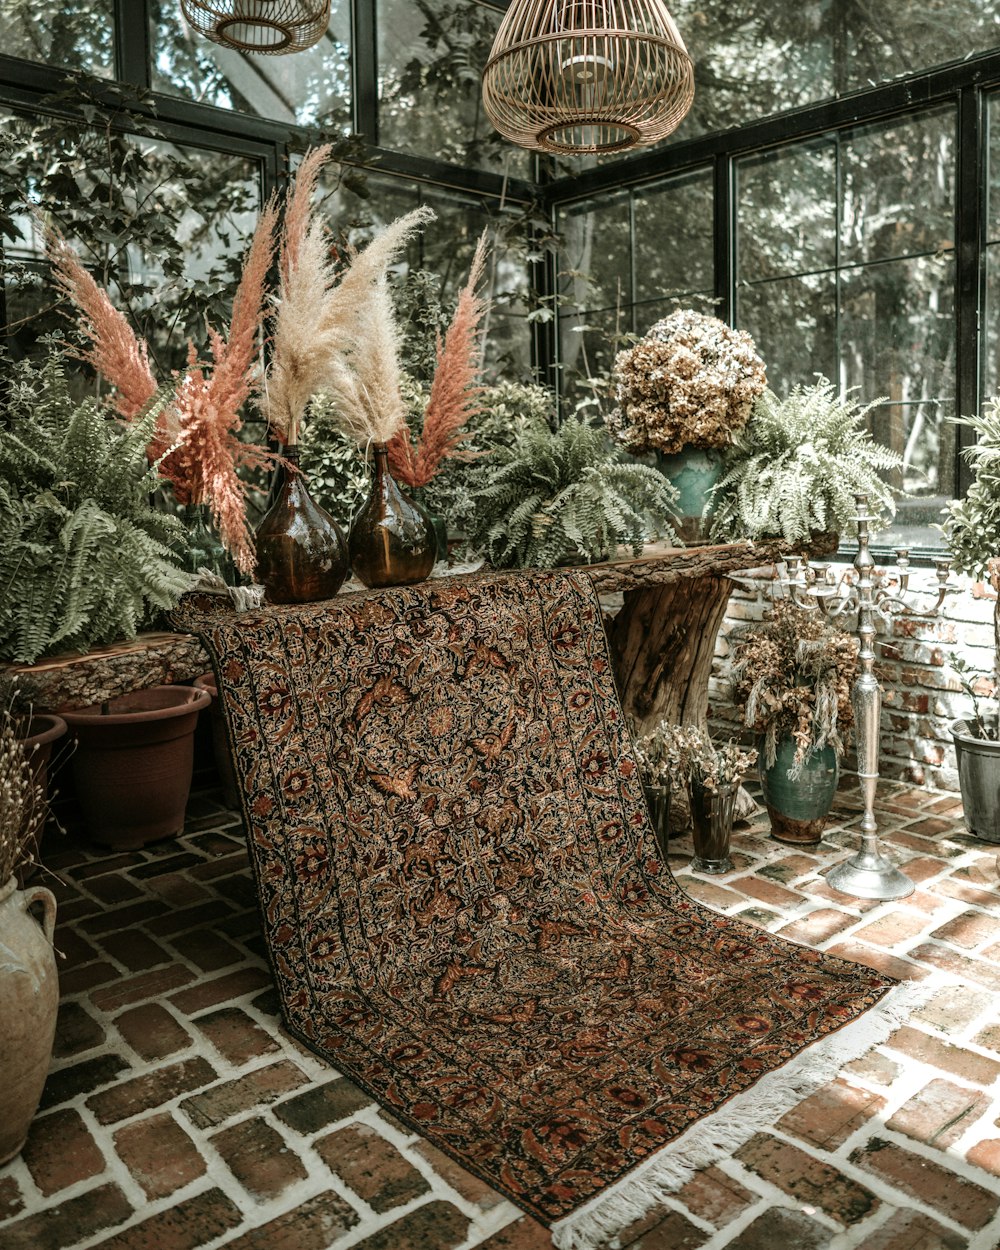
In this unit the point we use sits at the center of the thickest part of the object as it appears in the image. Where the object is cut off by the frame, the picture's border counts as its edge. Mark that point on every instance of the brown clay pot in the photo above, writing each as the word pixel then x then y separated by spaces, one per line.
pixel 133 762
pixel 220 743
pixel 392 540
pixel 301 553
pixel 29 1000
pixel 40 734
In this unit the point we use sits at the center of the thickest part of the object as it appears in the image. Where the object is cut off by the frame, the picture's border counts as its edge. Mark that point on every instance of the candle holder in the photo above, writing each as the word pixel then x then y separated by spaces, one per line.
pixel 867 592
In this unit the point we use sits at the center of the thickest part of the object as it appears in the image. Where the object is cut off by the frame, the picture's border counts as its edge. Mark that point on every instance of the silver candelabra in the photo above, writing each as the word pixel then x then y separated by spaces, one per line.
pixel 870 592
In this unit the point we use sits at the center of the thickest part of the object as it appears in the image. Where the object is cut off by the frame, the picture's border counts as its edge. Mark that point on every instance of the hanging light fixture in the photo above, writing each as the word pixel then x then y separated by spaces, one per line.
pixel 587 75
pixel 274 27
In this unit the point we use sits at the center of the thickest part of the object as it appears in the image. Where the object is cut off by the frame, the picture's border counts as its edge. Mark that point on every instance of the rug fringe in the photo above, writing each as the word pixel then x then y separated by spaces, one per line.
pixel 595 1224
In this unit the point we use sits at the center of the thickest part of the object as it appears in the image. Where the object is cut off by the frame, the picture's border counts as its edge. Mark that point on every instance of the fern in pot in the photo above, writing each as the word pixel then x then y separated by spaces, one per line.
pixel 792 472
pixel 972 528
pixel 562 496
pixel 792 678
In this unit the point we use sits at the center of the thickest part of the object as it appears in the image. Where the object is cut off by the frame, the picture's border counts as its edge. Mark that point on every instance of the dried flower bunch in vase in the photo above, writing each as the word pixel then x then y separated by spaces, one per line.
pixel 792 678
pixel 689 382
pixel 677 755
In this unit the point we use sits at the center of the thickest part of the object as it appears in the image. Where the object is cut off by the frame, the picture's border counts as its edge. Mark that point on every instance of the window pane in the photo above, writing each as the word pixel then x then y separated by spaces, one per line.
pixel 925 439
pixel 793 321
pixel 431 56
pixel 991 349
pixel 652 311
pixel 786 211
pixel 595 260
pixel 76 34
pixel 588 343
pixel 310 88
pixel 674 249
pixel 899 188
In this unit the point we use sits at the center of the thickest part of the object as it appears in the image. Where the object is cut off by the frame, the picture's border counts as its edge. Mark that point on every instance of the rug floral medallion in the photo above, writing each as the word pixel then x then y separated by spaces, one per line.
pixel 461 893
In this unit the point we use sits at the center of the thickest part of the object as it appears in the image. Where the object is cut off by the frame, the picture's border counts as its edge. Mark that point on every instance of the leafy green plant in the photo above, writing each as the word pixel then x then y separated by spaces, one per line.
pixel 972 524
pixel 563 496
pixel 797 465
pixel 86 554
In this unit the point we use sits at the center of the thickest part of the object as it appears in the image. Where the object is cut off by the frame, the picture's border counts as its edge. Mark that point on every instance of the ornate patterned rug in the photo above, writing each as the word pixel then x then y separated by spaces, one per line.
pixel 463 901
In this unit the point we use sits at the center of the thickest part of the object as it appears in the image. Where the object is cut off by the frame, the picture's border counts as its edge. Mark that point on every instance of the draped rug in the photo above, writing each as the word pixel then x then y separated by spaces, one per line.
pixel 462 897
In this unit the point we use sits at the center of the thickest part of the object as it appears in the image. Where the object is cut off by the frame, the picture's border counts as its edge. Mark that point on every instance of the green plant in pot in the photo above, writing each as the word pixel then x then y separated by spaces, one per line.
pixel 684 392
pixel 794 469
pixel 562 496
pixel 972 528
pixel 29 988
pixel 792 678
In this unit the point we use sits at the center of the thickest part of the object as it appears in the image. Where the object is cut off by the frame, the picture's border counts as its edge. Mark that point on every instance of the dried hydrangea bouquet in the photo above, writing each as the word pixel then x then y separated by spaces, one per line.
pixel 684 391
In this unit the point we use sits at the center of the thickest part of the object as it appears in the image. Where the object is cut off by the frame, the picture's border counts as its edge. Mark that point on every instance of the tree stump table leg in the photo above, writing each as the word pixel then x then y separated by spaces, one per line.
pixel 662 645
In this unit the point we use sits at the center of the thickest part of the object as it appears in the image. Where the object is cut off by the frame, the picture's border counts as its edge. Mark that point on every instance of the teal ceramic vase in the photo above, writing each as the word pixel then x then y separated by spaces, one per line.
pixel 693 472
pixel 799 807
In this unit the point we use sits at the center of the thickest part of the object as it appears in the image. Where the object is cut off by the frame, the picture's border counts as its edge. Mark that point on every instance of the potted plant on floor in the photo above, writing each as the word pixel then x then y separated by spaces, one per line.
pixel 29 989
pixel 792 677
pixel 972 528
pixel 795 468
pixel 684 392
pixel 676 756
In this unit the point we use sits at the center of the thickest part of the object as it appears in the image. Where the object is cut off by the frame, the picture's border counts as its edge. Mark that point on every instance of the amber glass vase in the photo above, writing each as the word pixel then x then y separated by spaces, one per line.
pixel 301 553
pixel 392 540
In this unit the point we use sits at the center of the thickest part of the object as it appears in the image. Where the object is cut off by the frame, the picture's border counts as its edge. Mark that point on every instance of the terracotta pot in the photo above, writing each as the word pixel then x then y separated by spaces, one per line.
pixel 392 540
pixel 220 743
pixel 133 762
pixel 41 732
pixel 301 553
pixel 29 1000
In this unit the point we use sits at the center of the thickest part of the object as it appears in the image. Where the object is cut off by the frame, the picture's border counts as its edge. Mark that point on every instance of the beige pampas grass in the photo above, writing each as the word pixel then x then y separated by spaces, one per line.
pixel 335 333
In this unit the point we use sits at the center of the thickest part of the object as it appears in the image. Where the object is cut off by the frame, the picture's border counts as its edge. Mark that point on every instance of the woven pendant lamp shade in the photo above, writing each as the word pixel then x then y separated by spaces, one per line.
pixel 271 26
pixel 587 75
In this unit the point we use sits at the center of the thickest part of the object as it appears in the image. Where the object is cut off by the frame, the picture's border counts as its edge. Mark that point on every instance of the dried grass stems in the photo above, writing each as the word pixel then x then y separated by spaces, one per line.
pixel 197 445
pixel 22 800
pixel 454 395
pixel 335 333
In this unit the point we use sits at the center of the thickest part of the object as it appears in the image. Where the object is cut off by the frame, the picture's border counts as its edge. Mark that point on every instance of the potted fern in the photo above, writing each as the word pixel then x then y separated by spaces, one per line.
pixel 562 496
pixel 792 472
pixel 972 528
pixel 792 677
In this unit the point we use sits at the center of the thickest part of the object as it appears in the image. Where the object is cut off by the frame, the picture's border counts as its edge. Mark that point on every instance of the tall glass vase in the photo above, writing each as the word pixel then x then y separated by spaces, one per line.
pixel 712 816
pixel 301 553
pixel 392 540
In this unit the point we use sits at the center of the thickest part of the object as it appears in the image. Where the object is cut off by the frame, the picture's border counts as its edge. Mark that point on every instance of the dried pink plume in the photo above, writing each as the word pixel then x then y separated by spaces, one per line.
pixel 454 393
pixel 115 351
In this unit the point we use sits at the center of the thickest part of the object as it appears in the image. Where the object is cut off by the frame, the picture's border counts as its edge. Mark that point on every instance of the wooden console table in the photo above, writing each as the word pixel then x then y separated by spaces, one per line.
pixel 663 639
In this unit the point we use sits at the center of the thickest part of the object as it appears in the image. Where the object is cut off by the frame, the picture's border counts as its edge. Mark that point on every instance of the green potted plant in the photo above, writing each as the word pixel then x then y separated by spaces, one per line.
pixel 87 559
pixel 972 528
pixel 792 678
pixel 562 496
pixel 674 756
pixel 684 391
pixel 29 988
pixel 793 471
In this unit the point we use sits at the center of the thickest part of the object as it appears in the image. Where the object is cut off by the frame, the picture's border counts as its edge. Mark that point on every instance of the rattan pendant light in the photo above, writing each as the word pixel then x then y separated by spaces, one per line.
pixel 270 26
pixel 587 75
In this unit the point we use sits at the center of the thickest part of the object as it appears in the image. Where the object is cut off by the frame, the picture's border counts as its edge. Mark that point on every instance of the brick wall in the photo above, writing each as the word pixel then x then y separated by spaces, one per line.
pixel 921 695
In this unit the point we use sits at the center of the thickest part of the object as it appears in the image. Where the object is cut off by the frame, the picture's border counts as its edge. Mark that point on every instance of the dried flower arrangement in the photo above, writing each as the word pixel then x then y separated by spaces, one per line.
pixel 792 676
pixel 22 800
pixel 689 382
pixel 196 444
pixel 334 328
pixel 455 394
pixel 679 755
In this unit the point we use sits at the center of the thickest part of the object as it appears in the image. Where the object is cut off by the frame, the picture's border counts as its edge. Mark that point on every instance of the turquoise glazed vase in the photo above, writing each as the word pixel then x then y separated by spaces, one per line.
pixel 693 472
pixel 799 808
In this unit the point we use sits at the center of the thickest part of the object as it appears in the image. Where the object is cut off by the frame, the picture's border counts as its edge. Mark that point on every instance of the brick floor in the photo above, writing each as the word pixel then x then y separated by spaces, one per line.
pixel 178 1114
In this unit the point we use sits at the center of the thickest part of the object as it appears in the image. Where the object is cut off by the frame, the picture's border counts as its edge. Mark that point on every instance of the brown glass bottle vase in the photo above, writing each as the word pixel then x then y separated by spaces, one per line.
pixel 301 553
pixel 392 540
